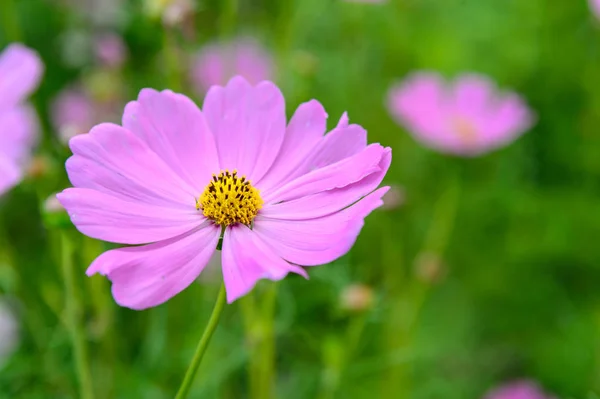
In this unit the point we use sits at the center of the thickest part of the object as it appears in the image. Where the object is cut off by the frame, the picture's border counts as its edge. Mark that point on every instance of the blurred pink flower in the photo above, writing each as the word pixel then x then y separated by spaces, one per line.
pixel 468 117
pixel 215 64
pixel 20 73
pixel 595 7
pixel 170 179
pixel 110 50
pixel 518 390
pixel 72 113
pixel 75 112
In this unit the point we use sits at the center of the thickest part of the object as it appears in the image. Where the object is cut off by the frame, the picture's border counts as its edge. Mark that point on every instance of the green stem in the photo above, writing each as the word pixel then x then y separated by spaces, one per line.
pixel 401 336
pixel 184 389
pixel 248 307
pixel 351 341
pixel 171 57
pixel 73 312
pixel 443 219
pixel 267 347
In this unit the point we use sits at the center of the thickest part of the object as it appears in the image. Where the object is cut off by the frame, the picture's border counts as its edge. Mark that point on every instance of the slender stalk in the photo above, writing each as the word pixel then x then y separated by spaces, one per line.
pixel 401 336
pixel 73 312
pixel 172 59
pixel 249 310
pixel 337 370
pixel 267 344
pixel 184 389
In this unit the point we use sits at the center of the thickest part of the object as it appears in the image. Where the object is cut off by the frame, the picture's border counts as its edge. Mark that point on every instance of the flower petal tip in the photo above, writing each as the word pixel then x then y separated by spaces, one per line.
pixel 344 121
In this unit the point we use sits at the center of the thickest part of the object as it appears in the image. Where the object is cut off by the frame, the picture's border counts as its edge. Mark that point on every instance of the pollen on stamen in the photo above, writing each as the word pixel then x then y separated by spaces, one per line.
pixel 229 199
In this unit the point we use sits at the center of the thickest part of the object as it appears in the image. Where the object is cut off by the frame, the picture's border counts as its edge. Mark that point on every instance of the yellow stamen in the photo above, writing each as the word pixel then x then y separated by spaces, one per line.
pixel 229 199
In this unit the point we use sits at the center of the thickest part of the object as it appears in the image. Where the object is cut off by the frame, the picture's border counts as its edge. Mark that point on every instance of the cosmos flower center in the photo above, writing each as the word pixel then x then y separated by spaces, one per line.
pixel 464 129
pixel 229 199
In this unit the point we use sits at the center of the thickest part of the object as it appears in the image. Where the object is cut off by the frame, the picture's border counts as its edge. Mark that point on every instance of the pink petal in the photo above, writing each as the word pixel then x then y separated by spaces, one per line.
pixel 248 124
pixel 330 201
pixel 149 275
pixel 340 143
pixel 106 217
pixel 343 122
pixel 418 103
pixel 337 175
pixel 247 259
pixel 174 128
pixel 510 118
pixel 524 389
pixel 317 241
pixel 303 133
pixel 113 160
pixel 18 133
pixel 20 72
pixel 595 7
pixel 10 174
pixel 473 94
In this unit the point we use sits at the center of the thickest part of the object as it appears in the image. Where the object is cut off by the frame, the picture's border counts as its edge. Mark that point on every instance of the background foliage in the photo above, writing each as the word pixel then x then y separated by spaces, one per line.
pixel 488 272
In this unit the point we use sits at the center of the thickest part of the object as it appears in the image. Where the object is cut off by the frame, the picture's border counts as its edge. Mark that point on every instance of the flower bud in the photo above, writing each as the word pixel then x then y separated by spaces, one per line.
pixel 357 298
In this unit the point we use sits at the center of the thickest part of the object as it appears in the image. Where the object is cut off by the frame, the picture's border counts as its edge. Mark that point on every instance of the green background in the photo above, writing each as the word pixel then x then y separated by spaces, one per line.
pixel 514 236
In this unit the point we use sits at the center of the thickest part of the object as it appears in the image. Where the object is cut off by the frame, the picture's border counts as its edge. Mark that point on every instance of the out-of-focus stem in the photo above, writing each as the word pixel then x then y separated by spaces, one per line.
pixel 335 369
pixel 172 62
pixel 259 323
pixel 73 319
pixel 403 325
pixel 248 307
pixel 267 347
pixel 186 385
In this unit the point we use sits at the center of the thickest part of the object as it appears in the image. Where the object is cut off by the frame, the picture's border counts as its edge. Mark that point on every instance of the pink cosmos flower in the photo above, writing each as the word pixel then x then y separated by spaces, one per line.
pixel 175 178
pixel 20 73
pixel 518 390
pixel 110 50
pixel 215 64
pixel 468 117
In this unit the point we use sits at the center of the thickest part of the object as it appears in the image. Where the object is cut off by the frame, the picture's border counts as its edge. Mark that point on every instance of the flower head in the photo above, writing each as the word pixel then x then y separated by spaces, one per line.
pixel 72 113
pixel 75 111
pixel 20 73
pixel 216 63
pixel 468 118
pixel 175 178
pixel 518 390
pixel 110 50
